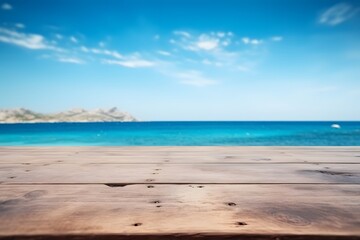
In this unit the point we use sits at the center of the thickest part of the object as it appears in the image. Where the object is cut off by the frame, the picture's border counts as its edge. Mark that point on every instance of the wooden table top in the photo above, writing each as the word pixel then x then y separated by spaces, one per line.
pixel 179 192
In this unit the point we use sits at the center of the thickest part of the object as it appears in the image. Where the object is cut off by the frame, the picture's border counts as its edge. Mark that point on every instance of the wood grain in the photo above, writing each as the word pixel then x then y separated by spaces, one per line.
pixel 180 173
pixel 179 192
pixel 248 209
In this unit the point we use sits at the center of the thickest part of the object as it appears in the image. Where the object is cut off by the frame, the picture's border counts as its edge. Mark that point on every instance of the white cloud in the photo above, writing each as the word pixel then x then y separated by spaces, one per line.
pixel 6 6
pixel 26 40
pixel 157 37
pixel 245 40
pixel 164 53
pixel 337 14
pixel 131 63
pixel 253 41
pixel 114 54
pixel 70 60
pixel 277 38
pixel 183 34
pixel 194 78
pixel 256 41
pixel 207 43
pixel 205 51
pixel 74 39
pixel 106 52
pixel 19 25
pixel 210 50
pixel 63 58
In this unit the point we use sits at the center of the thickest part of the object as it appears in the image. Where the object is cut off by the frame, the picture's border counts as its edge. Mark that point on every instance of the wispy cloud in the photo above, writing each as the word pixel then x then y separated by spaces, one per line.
pixel 19 25
pixel 192 55
pixel 338 14
pixel 106 52
pixel 74 39
pixel 26 40
pixel 101 44
pixel 220 50
pixel 207 43
pixel 131 63
pixel 59 36
pixel 70 60
pixel 221 34
pixel 6 6
pixel 183 34
pixel 277 38
pixel 185 76
pixel 63 57
pixel 194 78
pixel 156 37
pixel 134 60
pixel 164 53
pixel 214 63
pixel 251 41
pixel 226 43
pixel 202 42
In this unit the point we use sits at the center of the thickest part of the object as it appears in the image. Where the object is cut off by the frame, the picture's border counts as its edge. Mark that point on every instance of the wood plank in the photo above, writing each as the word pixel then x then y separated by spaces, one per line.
pixel 208 192
pixel 187 209
pixel 106 159
pixel 155 155
pixel 180 149
pixel 180 173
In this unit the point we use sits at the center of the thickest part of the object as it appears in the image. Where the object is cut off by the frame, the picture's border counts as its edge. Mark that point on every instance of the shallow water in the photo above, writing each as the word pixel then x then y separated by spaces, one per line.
pixel 181 134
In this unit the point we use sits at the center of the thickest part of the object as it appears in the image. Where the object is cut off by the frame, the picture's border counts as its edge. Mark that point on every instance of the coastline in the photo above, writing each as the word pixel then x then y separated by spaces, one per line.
pixel 39 122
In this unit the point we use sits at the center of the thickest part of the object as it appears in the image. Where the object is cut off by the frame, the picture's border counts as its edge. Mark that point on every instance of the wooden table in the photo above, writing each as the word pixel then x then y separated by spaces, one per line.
pixel 179 192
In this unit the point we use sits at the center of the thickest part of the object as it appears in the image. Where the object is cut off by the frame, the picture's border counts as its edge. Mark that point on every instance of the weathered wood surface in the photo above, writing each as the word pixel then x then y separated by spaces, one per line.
pixel 180 173
pixel 179 192
pixel 170 155
pixel 262 209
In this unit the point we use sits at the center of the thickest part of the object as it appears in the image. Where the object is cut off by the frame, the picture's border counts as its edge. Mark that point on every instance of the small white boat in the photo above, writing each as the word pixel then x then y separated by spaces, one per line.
pixel 335 126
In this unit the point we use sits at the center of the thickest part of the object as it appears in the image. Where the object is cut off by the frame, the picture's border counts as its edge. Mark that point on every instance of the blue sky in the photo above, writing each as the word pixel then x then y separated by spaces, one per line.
pixel 183 60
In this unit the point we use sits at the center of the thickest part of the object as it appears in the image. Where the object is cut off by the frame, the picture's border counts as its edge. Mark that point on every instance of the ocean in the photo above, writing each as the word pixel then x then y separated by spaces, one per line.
pixel 182 134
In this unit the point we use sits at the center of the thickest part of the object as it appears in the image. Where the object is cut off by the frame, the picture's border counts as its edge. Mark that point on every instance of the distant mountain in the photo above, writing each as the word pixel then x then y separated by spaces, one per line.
pixel 22 115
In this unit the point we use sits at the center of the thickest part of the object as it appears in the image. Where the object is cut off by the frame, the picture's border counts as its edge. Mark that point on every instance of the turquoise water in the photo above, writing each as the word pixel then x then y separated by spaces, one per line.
pixel 181 134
